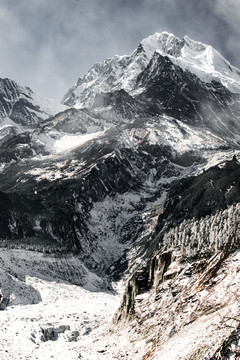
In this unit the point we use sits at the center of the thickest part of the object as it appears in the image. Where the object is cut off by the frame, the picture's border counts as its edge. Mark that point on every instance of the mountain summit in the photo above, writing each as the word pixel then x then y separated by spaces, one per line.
pixel 121 72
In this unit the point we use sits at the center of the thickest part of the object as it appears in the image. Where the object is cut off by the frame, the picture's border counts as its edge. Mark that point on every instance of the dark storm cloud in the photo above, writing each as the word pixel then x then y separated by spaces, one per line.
pixel 48 44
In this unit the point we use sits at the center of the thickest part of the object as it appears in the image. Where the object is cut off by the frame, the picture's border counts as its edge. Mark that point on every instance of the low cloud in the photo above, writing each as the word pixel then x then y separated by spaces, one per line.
pixel 229 10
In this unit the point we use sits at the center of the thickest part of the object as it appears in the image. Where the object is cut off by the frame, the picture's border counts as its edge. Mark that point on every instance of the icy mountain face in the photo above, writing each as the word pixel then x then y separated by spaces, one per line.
pixel 208 64
pixel 21 109
pixel 170 90
pixel 121 72
pixel 184 79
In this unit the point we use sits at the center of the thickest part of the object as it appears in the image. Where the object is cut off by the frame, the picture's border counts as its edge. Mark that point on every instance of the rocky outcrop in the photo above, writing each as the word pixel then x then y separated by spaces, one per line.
pixel 51 333
pixel 185 299
pixel 4 301
pixel 230 349
pixel 150 275
pixel 184 284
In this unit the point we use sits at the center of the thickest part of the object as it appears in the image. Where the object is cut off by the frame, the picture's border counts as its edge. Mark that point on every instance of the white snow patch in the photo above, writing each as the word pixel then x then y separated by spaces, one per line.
pixel 85 315
pixel 68 142
pixel 207 64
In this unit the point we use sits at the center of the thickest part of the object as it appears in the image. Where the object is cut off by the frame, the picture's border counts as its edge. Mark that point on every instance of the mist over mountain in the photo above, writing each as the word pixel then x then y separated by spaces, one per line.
pixel 126 194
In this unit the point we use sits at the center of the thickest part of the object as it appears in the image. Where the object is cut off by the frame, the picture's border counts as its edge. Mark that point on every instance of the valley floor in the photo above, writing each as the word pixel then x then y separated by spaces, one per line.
pixel 51 319
pixel 80 319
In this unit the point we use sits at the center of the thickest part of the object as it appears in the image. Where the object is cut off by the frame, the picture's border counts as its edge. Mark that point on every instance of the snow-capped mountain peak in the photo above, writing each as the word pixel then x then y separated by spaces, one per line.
pixel 164 42
pixel 207 63
pixel 198 58
pixel 194 45
pixel 121 72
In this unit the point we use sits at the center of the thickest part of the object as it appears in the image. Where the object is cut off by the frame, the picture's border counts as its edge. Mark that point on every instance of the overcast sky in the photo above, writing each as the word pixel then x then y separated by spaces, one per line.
pixel 48 44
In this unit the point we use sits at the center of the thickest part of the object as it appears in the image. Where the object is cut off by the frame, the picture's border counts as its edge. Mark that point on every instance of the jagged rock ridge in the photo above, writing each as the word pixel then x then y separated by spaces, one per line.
pixel 121 72
pixel 139 178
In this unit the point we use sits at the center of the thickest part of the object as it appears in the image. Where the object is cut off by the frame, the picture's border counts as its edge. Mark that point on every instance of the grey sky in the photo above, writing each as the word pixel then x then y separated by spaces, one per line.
pixel 48 44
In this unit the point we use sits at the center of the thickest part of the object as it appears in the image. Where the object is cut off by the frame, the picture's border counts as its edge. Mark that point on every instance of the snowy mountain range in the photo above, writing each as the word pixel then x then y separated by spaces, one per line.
pixel 132 180
pixel 122 72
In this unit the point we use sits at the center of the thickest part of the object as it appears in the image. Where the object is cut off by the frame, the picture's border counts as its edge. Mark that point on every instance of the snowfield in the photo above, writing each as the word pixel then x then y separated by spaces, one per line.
pixel 68 142
pixel 68 322
pixel 82 313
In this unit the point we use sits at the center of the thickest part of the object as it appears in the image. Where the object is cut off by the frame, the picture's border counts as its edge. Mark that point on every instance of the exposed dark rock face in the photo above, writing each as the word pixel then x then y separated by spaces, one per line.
pixel 16 102
pixel 7 133
pixel 4 301
pixel 19 147
pixel 230 348
pixel 136 179
pixel 121 103
pixel 182 95
pixel 51 333
pixel 199 196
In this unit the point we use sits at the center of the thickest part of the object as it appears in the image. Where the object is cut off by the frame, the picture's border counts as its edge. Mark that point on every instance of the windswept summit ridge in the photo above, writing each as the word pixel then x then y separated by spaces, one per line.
pixel 121 72
pixel 165 42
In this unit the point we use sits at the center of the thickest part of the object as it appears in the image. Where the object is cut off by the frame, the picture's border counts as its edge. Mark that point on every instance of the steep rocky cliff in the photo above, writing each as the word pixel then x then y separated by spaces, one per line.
pixel 139 182
pixel 191 280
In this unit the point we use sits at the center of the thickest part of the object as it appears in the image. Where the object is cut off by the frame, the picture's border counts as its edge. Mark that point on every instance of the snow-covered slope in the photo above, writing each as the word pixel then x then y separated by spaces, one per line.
pixel 47 316
pixel 139 179
pixel 207 63
pixel 21 109
pixel 13 96
pixel 121 72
